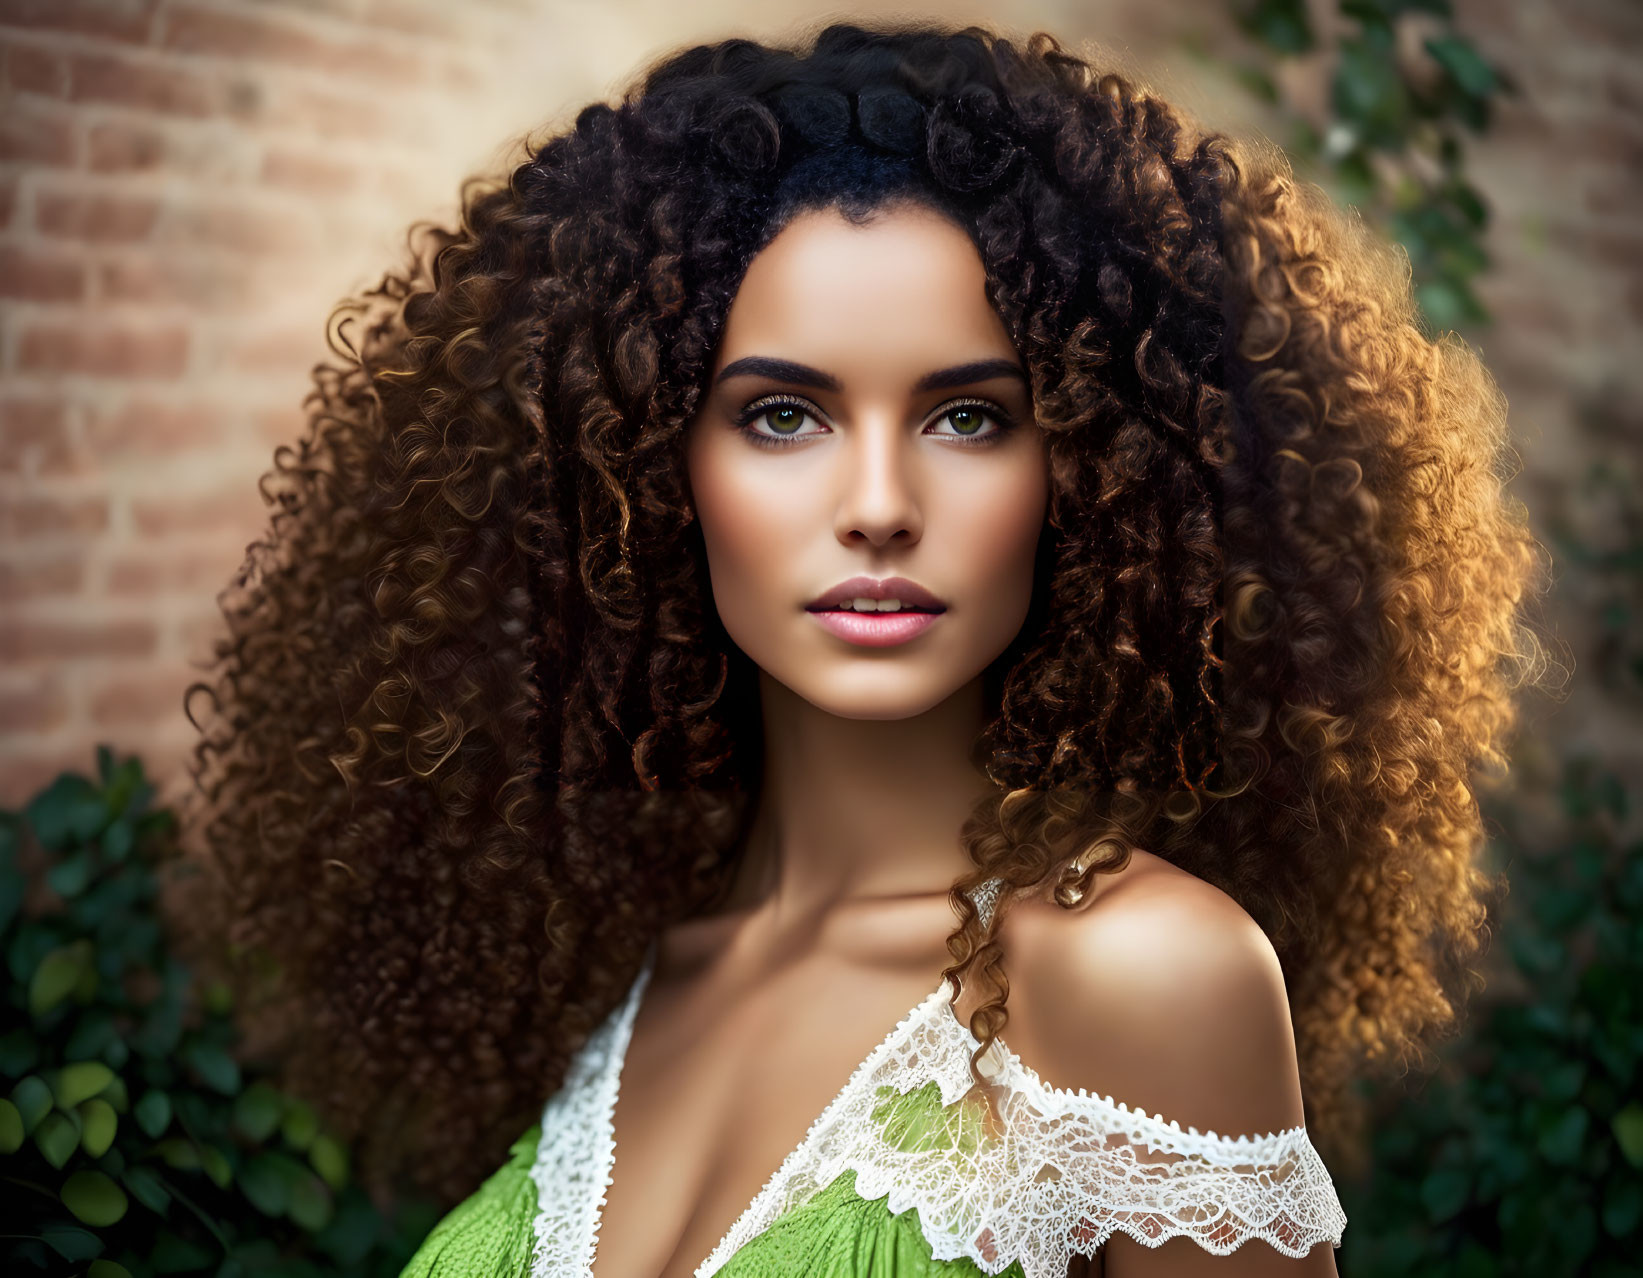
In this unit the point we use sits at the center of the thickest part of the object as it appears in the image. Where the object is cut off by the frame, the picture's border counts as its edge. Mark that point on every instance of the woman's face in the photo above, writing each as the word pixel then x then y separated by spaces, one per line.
pixel 868 417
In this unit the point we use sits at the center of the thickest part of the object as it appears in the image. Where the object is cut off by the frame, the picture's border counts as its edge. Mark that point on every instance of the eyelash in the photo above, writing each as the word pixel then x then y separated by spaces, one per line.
pixel 765 403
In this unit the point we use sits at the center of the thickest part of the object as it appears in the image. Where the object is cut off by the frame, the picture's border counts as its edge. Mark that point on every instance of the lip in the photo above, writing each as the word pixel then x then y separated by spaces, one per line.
pixel 909 592
pixel 875 629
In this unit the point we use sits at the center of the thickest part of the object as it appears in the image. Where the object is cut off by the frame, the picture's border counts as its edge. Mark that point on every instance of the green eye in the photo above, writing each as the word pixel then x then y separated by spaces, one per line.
pixel 966 420
pixel 784 417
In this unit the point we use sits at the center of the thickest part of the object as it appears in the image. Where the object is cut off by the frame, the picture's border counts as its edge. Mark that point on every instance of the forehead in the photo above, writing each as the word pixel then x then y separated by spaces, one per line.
pixel 906 286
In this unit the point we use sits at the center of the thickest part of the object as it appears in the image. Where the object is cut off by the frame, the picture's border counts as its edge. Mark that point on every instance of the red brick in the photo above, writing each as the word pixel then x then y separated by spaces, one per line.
pixel 39 577
pixel 29 136
pixel 266 38
pixel 308 172
pixel 434 20
pixel 31 69
pixel 121 146
pixel 30 423
pixel 277 350
pixel 108 219
pixel 40 276
pixel 107 350
pixel 25 516
pixel 55 640
pixel 40 707
pixel 142 697
pixel 151 426
pixel 241 35
pixel 198 572
pixel 146 85
pixel 108 19
pixel 206 512
pixel 246 227
pixel 216 282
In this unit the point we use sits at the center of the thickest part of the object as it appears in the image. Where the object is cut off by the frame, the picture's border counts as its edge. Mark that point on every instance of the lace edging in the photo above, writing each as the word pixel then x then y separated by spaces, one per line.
pixel 1066 1172
pixel 575 1159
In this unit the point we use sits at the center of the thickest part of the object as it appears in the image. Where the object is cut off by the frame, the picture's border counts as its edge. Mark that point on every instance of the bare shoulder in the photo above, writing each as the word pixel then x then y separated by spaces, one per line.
pixel 1160 991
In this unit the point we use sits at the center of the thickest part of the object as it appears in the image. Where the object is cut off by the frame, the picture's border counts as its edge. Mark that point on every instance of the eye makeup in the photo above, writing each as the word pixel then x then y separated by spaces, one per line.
pixel 765 403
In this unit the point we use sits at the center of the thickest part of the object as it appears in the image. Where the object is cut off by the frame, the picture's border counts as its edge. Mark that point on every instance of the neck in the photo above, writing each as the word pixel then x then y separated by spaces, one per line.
pixel 856 809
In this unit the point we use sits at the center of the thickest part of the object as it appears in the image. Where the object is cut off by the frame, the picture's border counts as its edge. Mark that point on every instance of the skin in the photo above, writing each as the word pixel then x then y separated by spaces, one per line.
pixel 836 924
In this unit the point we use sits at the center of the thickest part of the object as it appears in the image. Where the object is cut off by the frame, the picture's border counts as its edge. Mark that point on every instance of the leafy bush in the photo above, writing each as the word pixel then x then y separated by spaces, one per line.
pixel 131 1140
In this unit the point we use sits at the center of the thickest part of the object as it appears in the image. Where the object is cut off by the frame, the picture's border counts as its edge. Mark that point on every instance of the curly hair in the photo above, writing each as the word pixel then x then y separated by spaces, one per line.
pixel 477 735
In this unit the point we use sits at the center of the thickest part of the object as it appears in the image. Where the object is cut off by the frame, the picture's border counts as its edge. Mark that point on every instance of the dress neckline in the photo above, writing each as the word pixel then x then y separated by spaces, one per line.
pixel 620 1026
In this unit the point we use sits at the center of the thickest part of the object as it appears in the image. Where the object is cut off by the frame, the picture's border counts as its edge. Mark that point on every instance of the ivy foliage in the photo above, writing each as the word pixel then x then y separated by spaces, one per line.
pixel 132 1140
pixel 1393 144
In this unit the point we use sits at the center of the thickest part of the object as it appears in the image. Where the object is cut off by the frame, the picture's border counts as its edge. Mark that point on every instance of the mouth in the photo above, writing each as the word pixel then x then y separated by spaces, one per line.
pixel 874 629
pixel 867 596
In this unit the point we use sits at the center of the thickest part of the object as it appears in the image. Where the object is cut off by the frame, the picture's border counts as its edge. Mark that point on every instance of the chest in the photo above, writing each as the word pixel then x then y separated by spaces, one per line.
pixel 724 1076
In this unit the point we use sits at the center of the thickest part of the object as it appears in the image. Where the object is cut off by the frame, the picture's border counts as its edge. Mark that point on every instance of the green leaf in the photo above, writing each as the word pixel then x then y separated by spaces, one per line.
pixel 107 1269
pixel 94 1198
pixel 216 1068
pixel 147 1188
pixel 216 1166
pixel 1444 1192
pixel 12 1134
pixel 33 1100
pixel 98 1124
pixel 299 1126
pixel 180 1153
pixel 154 1113
pixel 265 1182
pixel 1282 25
pixel 311 1205
pixel 57 975
pixel 68 812
pixel 118 840
pixel 257 1111
pixel 330 1160
pixel 1627 1126
pixel 71 1243
pixel 1561 1136
pixel 57 1138
pixel 1464 65
pixel 73 874
pixel 80 1081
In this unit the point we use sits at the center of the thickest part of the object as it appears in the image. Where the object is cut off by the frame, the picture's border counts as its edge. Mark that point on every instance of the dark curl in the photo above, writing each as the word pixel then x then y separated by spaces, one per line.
pixel 477 734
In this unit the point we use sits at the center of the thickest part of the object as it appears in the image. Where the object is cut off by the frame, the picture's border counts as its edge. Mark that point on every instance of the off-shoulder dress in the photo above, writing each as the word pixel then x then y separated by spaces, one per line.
pixel 905 1175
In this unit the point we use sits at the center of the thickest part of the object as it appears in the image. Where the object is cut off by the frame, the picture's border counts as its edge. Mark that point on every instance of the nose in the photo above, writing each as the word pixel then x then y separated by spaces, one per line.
pixel 878 486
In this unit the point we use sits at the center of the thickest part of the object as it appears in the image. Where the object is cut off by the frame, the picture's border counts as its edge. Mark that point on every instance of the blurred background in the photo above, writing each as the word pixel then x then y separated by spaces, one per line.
pixel 188 186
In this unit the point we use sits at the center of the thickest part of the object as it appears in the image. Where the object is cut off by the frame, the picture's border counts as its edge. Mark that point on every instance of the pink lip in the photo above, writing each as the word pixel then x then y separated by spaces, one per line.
pixel 875 629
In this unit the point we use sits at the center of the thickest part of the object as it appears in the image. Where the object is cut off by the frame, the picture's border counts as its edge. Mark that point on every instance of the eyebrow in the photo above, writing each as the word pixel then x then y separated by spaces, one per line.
pixel 786 370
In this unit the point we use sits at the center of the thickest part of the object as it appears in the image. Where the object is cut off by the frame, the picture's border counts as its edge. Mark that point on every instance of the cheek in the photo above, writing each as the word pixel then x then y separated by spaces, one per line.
pixel 743 511
pixel 999 524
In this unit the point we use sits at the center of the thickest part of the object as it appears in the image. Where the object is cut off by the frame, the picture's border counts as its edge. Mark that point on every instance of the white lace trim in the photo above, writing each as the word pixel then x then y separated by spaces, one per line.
pixel 577 1148
pixel 1065 1171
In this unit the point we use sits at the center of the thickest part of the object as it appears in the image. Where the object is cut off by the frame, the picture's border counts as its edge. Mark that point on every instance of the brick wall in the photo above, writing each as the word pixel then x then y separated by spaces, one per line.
pixel 187 187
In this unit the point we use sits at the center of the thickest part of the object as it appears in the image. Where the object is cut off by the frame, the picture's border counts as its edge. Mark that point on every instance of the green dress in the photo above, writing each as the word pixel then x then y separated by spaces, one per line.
pixel 905 1175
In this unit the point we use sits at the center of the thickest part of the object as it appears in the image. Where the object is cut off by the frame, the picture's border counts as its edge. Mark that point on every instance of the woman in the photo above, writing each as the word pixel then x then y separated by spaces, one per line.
pixel 844 488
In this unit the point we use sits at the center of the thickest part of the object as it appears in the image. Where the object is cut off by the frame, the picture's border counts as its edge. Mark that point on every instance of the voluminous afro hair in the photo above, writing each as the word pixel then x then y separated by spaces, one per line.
pixel 477 735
